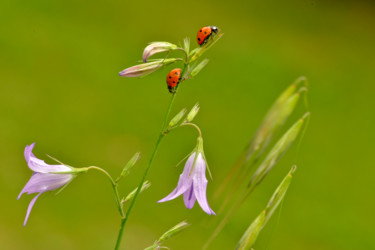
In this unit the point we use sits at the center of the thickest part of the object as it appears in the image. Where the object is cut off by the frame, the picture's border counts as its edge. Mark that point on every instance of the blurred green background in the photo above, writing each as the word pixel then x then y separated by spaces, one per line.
pixel 59 87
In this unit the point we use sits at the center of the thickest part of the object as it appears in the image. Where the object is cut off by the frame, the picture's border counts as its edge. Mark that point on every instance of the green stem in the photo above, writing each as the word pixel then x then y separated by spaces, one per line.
pixel 161 135
pixel 193 125
pixel 114 186
pixel 124 219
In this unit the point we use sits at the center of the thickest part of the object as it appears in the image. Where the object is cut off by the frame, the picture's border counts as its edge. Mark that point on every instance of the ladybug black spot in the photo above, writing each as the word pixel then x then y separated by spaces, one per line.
pixel 205 33
pixel 200 31
pixel 176 73
pixel 199 39
pixel 174 82
pixel 170 77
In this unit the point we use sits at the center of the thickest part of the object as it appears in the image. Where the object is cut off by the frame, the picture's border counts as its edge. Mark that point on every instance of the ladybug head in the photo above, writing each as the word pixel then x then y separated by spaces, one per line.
pixel 214 29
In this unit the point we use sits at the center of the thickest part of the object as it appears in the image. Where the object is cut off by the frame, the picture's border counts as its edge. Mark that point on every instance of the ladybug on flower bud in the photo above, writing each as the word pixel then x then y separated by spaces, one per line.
pixel 205 33
pixel 173 79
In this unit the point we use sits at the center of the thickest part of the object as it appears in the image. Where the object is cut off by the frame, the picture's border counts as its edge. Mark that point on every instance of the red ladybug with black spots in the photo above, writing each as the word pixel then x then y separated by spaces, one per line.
pixel 173 79
pixel 205 33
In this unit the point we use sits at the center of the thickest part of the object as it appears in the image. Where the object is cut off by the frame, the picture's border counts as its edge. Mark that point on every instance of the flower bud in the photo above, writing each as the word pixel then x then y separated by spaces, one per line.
pixel 147 68
pixel 174 230
pixel 193 112
pixel 130 196
pixel 157 47
pixel 177 118
pixel 199 67
pixel 129 166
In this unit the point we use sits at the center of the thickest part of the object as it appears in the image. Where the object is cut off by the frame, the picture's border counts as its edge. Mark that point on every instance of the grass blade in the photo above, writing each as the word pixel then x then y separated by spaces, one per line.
pixel 277 151
pixel 249 237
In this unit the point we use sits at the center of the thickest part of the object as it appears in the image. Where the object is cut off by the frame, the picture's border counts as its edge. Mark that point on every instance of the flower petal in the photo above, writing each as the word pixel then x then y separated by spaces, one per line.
pixel 182 186
pixel 45 182
pixel 184 182
pixel 31 204
pixel 189 197
pixel 200 184
pixel 40 166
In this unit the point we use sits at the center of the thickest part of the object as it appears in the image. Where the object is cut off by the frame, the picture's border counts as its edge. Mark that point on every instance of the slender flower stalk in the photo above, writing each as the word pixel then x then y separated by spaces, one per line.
pixel 45 177
pixel 161 135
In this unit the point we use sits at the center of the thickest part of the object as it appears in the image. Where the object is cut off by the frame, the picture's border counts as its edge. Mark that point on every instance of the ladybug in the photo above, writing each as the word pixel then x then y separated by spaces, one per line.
pixel 205 33
pixel 173 79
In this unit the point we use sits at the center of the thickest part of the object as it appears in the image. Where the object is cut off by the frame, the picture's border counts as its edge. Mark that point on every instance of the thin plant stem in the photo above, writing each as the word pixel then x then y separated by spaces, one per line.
pixel 193 125
pixel 161 135
pixel 114 186
pixel 124 219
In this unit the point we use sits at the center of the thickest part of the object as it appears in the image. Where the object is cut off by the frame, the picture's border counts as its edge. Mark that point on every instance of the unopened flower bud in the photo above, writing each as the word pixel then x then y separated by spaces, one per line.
pixel 146 68
pixel 193 112
pixel 177 118
pixel 157 47
pixel 131 195
pixel 199 67
pixel 174 230
pixel 129 166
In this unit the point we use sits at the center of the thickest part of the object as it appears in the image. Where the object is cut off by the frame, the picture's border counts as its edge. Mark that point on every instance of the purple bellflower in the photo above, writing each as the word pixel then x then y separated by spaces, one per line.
pixel 45 177
pixel 192 183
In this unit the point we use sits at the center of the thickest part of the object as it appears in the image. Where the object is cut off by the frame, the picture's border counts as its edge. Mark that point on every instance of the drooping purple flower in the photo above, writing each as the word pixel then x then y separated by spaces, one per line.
pixel 193 184
pixel 44 178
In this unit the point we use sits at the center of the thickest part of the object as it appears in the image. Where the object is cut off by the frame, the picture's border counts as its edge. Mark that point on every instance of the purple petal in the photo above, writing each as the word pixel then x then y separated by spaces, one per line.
pixel 40 166
pixel 31 204
pixel 182 186
pixel 200 184
pixel 40 183
pixel 28 151
pixel 184 182
pixel 189 197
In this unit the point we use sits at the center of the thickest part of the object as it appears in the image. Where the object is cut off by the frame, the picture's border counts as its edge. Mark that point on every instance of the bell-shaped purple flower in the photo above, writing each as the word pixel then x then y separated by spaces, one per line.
pixel 192 183
pixel 44 177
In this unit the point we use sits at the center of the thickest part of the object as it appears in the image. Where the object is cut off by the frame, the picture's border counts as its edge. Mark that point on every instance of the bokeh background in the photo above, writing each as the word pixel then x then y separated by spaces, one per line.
pixel 59 87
